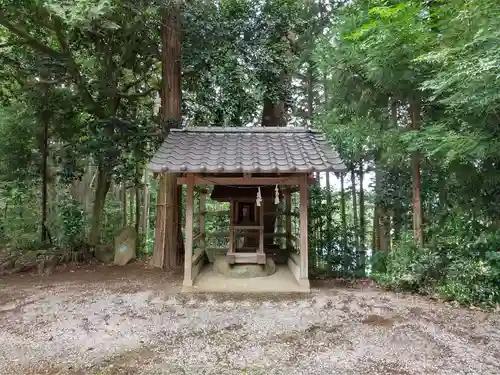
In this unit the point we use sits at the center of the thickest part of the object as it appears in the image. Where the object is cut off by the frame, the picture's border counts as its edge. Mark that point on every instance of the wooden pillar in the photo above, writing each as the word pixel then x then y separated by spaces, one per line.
pixel 188 242
pixel 261 230
pixel 303 228
pixel 201 218
pixel 288 218
pixel 233 207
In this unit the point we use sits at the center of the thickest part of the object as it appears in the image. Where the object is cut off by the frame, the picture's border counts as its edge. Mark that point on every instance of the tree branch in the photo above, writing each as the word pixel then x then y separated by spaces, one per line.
pixel 28 39
pixel 75 72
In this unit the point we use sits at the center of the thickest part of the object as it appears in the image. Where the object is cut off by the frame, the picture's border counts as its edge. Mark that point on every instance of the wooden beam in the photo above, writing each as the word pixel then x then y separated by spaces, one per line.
pixel 303 230
pixel 261 181
pixel 188 241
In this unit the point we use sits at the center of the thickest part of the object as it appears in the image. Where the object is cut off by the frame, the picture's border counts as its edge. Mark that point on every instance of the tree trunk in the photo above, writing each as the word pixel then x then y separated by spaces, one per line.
pixel 443 201
pixel 53 198
pixel 330 211
pixel 343 219
pixel 375 231
pixel 131 198
pixel 43 138
pixel 381 222
pixel 124 205
pixel 354 210
pixel 273 114
pixel 5 214
pixel 171 118
pixel 310 93
pixel 328 185
pixel 145 207
pixel 81 191
pixel 87 188
pixel 45 236
pixel 398 221
pixel 418 235
pixel 157 260
pixel 137 209
pixel 102 187
pixel 362 226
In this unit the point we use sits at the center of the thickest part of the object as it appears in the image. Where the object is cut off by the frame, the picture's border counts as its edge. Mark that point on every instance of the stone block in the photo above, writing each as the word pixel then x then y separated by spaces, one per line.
pixel 125 246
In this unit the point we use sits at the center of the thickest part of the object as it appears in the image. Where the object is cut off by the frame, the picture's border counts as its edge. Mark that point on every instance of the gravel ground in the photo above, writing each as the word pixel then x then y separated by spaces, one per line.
pixel 131 320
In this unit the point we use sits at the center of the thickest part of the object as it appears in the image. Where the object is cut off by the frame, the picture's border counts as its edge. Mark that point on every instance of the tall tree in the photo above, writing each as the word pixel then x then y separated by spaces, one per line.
pixel 362 224
pixel 168 254
pixel 102 50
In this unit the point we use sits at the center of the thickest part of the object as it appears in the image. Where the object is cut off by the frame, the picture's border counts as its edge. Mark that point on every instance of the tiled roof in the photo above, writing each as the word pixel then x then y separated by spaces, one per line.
pixel 245 150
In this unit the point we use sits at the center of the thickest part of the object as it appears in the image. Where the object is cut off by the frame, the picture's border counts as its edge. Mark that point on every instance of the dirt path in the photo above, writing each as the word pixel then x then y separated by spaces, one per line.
pixel 131 320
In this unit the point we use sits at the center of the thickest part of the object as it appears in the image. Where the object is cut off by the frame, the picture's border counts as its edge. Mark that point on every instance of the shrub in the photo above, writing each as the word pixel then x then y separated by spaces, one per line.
pixel 72 223
pixel 462 263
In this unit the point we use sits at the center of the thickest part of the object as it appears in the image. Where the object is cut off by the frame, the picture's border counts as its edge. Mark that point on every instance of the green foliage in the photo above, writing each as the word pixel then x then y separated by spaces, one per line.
pixel 19 220
pixel 329 254
pixel 462 263
pixel 379 58
pixel 407 267
pixel 466 68
pixel 113 219
pixel 72 223
pixel 470 280
pixel 92 69
pixel 18 157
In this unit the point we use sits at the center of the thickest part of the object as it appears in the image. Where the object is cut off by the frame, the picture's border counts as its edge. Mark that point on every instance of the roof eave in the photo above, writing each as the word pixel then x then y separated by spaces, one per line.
pixel 337 169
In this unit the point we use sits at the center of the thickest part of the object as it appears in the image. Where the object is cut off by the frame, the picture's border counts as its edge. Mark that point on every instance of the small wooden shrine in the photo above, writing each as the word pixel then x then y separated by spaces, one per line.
pixel 253 169
pixel 246 221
